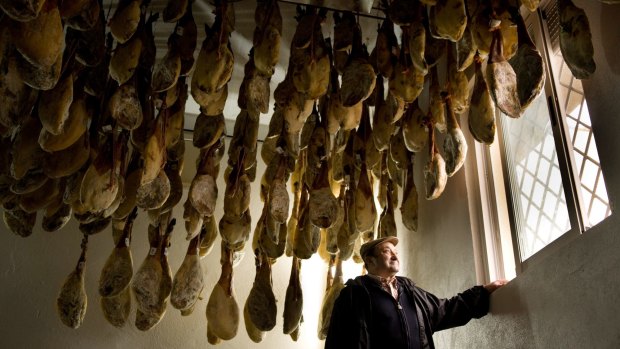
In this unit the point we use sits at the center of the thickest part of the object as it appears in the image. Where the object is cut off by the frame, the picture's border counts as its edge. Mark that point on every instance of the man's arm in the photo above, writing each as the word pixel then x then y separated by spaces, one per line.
pixel 458 310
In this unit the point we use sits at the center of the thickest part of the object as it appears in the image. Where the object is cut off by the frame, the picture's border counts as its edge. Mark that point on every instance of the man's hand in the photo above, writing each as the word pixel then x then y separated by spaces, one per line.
pixel 495 285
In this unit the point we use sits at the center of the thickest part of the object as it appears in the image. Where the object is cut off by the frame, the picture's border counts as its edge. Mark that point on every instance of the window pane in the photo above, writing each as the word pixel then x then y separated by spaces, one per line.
pixel 541 214
pixel 594 201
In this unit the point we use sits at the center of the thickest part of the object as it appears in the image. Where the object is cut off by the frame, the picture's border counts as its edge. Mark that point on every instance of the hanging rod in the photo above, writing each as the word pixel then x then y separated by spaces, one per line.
pixel 357 13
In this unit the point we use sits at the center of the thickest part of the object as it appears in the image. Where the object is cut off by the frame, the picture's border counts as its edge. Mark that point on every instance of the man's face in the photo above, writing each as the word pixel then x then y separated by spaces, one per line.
pixel 384 261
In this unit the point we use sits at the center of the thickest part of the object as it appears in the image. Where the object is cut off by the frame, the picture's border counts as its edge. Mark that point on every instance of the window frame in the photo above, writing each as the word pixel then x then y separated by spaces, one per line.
pixel 501 236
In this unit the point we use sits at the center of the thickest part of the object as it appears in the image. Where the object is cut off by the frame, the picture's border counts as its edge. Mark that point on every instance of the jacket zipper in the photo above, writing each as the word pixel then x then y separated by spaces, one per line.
pixel 401 312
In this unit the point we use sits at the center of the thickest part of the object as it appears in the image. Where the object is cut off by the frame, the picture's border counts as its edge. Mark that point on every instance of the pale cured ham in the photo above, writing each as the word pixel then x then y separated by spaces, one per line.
pixel 267 36
pixel 188 281
pixel 35 76
pixel 72 301
pixel 293 302
pixel 382 56
pixel 414 127
pixel 454 145
pixel 22 10
pixel 254 333
pixel 435 176
pixel 215 61
pixel 40 40
pixel 483 37
pixel 448 19
pixel 323 206
pixel 358 77
pixel 365 209
pixel 436 105
pixel 409 206
pixel 152 282
pixel 222 307
pixel 116 309
pixel 328 302
pixel 481 117
pixel 174 10
pixel 125 60
pixel 74 128
pixel 118 269
pixel 458 84
pixel 576 40
pixel 307 236
pixel 529 66
pixel 261 302
pixel 502 80
pixel 54 105
pixel 125 108
pixel 465 50
pixel 125 20
pixel 407 81
pixel 101 183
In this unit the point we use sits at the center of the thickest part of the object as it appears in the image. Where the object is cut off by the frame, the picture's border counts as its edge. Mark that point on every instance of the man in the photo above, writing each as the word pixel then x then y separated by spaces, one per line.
pixel 382 310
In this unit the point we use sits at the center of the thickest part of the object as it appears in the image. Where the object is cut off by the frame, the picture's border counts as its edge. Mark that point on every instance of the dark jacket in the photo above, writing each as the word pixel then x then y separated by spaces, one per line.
pixel 350 322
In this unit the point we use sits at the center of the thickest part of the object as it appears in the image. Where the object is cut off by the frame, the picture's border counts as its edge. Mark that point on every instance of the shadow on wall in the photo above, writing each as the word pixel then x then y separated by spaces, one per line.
pixel 610 36
pixel 507 311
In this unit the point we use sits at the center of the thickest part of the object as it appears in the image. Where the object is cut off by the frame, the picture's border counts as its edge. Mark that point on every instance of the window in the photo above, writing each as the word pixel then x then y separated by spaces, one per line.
pixel 552 175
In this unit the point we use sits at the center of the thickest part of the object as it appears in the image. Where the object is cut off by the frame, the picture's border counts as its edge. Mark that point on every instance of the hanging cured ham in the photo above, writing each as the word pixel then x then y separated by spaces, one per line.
pixel 436 105
pixel 454 145
pixel 215 61
pixel 448 19
pixel 254 333
pixel 45 28
pixel 576 40
pixel 267 36
pixel 501 78
pixel 358 77
pixel 152 282
pixel 116 309
pixel 407 81
pixel 293 302
pixel 329 300
pixel 261 302
pixel 529 66
pixel 382 57
pixel 307 235
pixel 409 206
pixel 54 105
pixel 414 127
pixel 387 222
pixel 322 205
pixel 22 10
pixel 222 308
pixel 435 176
pixel 100 184
pixel 481 117
pixel 188 282
pixel 72 300
pixel 118 269
pixel 174 10
pixel 124 23
pixel 458 84
pixel 465 50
